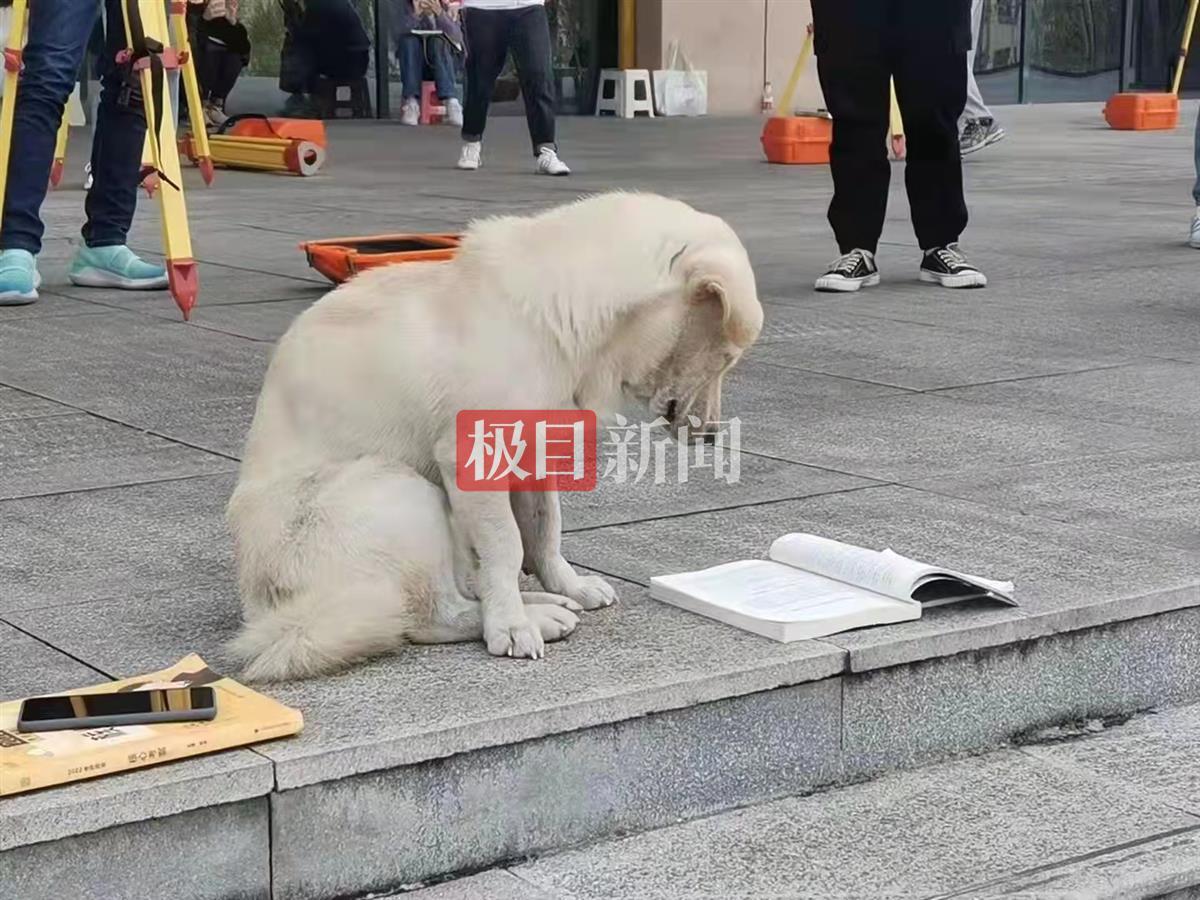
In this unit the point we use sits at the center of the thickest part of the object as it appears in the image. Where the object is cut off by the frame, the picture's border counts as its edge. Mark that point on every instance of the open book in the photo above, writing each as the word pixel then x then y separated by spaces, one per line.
pixel 812 587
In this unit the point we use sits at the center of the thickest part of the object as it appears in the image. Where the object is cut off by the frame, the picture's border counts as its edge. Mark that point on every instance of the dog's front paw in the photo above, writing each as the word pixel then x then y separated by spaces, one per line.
pixel 592 592
pixel 554 622
pixel 518 639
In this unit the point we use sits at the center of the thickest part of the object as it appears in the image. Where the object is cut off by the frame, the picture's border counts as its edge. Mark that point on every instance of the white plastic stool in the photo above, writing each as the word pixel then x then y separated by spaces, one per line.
pixel 618 93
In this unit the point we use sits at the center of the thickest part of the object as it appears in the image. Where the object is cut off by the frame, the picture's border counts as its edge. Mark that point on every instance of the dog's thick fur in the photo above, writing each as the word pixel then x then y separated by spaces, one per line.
pixel 350 531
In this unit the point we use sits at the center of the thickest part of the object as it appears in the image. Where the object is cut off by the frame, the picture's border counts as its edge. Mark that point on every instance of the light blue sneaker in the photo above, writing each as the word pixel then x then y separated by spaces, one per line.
pixel 115 267
pixel 19 278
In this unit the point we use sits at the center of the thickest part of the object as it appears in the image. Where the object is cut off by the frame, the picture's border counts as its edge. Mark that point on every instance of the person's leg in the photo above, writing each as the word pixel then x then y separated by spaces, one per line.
pixel 857 96
pixel 532 53
pixel 975 107
pixel 1194 234
pixel 931 88
pixel 411 56
pixel 58 34
pixel 105 260
pixel 441 58
pixel 486 34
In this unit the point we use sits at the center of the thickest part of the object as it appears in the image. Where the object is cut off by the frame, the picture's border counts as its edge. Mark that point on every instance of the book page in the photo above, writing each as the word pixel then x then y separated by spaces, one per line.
pixel 774 592
pixel 886 573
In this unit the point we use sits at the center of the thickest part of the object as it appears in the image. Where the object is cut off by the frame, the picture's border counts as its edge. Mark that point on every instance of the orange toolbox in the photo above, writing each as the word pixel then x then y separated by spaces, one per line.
pixel 340 259
pixel 797 140
pixel 1142 112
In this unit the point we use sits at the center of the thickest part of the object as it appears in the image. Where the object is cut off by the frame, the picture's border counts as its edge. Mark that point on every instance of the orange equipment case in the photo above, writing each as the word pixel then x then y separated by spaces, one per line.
pixel 797 139
pixel 1142 112
pixel 340 259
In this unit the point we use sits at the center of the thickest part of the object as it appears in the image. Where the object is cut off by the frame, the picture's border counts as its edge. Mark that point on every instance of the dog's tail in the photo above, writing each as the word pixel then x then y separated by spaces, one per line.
pixel 316 632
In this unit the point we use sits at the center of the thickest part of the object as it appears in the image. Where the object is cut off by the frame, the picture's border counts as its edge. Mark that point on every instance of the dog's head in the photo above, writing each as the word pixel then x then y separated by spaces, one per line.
pixel 687 339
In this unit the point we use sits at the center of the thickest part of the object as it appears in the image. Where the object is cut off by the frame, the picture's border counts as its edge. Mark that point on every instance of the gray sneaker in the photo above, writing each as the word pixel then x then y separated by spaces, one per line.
pixel 979 133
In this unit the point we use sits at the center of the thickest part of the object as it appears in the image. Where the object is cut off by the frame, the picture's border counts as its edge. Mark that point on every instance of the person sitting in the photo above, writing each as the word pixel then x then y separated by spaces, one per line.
pixel 322 39
pixel 222 48
pixel 411 17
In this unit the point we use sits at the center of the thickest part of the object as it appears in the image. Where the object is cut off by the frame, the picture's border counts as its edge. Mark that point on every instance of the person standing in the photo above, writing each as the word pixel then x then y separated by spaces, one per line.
pixel 922 45
pixel 978 127
pixel 492 28
pixel 58 35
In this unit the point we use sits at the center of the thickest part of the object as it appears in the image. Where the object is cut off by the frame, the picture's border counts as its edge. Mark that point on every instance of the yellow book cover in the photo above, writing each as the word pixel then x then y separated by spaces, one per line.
pixel 29 761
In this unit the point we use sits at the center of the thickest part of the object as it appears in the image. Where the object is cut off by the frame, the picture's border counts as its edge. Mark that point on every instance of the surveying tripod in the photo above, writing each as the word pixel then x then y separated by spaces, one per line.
pixel 145 59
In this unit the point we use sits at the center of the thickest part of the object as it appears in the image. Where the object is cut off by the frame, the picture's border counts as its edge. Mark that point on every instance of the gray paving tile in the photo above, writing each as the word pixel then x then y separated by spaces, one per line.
pixel 29 666
pixel 219 286
pixel 1164 396
pixel 760 480
pixel 1122 578
pixel 1152 494
pixel 622 662
pixel 114 542
pixel 907 715
pixel 139 370
pixel 50 304
pixel 908 437
pixel 56 454
pixel 1158 754
pixel 910 355
pixel 494 885
pixel 16 404
pixel 934 831
pixel 266 321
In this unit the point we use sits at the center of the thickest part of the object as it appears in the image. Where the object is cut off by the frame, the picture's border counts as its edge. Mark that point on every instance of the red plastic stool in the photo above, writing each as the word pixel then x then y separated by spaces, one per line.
pixel 432 110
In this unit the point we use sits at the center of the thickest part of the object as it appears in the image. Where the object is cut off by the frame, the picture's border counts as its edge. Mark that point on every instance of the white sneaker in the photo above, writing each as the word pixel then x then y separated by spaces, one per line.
pixel 1194 237
pixel 548 163
pixel 454 113
pixel 471 157
pixel 410 112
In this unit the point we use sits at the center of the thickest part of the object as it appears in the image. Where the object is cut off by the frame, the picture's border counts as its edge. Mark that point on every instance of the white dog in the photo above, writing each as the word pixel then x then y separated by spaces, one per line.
pixel 351 533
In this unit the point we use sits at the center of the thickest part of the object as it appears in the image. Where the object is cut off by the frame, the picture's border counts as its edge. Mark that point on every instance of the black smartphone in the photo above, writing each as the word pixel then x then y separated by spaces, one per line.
pixel 76 711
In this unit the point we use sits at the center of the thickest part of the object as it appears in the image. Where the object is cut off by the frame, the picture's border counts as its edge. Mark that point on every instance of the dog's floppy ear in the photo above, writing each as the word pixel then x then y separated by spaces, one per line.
pixel 710 288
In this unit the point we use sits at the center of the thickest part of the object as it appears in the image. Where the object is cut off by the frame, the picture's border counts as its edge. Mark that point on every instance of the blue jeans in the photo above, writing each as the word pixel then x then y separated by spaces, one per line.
pixel 411 53
pixel 58 35
pixel 1196 152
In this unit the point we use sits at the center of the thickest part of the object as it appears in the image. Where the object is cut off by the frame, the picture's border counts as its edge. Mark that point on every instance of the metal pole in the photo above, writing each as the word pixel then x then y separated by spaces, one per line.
pixel 1021 67
pixel 383 53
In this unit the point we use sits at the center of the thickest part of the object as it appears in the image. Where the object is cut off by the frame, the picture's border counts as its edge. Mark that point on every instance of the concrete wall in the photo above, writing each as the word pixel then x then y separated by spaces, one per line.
pixel 727 38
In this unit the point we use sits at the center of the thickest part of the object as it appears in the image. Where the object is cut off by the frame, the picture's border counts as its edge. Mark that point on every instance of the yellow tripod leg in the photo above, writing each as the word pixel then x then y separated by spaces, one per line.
pixel 60 150
pixel 164 152
pixel 897 126
pixel 12 69
pixel 1183 49
pixel 785 102
pixel 191 85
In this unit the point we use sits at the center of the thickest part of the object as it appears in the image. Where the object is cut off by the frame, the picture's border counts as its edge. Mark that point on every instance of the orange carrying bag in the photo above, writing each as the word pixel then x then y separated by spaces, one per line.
pixel 340 259
pixel 311 130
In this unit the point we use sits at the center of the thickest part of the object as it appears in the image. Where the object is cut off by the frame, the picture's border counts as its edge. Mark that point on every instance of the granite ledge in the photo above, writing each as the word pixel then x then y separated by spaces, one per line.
pixel 295 767
pixel 152 793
